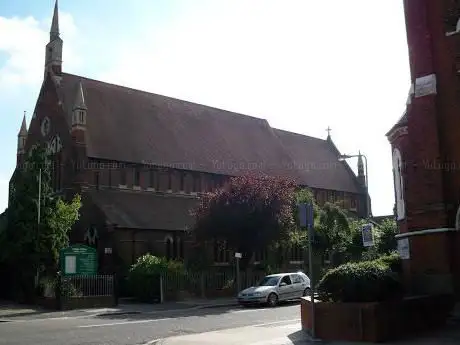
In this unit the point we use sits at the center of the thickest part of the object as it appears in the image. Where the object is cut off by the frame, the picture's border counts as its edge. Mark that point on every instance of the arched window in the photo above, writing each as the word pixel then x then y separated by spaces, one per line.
pixel 180 248
pixel 221 252
pixel 181 181
pixel 398 184
pixel 197 183
pixel 169 243
pixel 170 180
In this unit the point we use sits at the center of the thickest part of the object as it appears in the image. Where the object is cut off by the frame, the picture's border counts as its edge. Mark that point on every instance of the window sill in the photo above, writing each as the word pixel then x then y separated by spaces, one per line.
pixel 122 186
pixel 150 189
pixel 294 262
pixel 169 191
pixel 137 187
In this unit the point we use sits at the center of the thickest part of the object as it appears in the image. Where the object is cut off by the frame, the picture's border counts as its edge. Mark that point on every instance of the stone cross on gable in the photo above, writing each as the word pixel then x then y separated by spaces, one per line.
pixel 328 130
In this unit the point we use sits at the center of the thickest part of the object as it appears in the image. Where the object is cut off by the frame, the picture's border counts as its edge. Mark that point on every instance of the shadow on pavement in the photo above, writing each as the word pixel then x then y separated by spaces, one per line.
pixel 186 311
pixel 299 337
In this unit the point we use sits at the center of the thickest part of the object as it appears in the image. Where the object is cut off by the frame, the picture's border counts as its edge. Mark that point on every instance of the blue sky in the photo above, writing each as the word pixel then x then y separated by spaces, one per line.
pixel 302 64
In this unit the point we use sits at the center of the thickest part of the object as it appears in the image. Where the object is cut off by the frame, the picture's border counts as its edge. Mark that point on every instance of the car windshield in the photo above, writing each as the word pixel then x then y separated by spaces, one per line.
pixel 269 281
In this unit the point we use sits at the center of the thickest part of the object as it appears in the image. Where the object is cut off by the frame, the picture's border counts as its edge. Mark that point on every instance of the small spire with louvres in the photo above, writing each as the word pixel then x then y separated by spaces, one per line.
pixel 79 108
pixel 22 137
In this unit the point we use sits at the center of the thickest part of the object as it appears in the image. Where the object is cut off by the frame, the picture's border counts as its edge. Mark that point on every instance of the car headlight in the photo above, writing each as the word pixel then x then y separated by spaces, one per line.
pixel 257 294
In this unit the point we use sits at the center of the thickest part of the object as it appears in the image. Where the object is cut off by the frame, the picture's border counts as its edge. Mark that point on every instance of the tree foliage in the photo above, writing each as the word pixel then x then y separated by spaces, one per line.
pixel 250 212
pixel 332 230
pixel 29 242
pixel 387 241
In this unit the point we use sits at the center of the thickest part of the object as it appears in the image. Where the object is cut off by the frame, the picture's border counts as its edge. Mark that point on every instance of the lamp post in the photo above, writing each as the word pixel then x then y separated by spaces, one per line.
pixel 366 178
pixel 38 224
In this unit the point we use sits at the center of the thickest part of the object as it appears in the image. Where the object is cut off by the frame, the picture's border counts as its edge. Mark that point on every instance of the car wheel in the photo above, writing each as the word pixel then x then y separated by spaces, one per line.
pixel 307 292
pixel 272 300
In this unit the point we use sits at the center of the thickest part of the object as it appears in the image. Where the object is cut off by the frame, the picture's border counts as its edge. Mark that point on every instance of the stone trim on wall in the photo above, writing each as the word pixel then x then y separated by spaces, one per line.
pixel 424 232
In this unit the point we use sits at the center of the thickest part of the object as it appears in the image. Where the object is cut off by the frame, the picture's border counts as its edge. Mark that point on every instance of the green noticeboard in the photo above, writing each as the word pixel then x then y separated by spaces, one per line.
pixel 78 260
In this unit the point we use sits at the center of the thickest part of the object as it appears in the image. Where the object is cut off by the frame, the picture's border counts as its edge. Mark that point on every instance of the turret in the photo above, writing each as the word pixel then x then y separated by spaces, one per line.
pixel 361 173
pixel 22 137
pixel 79 111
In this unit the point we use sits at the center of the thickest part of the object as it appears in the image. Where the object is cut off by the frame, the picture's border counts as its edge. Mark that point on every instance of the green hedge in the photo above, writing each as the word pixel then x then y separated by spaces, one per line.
pixel 368 281
pixel 392 261
pixel 144 276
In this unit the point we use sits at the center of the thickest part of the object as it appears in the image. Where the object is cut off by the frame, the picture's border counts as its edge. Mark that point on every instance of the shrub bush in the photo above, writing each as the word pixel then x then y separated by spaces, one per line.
pixel 368 281
pixel 392 261
pixel 144 276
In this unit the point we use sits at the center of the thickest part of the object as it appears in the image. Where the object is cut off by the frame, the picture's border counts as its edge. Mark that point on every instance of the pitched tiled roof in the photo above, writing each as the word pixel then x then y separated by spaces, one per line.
pixel 135 126
pixel 142 210
pixel 317 161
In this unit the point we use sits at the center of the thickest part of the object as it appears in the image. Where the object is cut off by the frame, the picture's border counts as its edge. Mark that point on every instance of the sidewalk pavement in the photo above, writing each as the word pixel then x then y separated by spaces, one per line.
pixel 290 333
pixel 10 310
pixel 275 333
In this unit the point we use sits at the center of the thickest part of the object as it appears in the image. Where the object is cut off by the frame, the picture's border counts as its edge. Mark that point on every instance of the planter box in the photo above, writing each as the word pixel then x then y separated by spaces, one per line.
pixel 378 321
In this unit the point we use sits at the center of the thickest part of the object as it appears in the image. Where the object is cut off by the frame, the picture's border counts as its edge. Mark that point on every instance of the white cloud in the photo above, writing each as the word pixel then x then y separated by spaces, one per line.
pixel 22 58
pixel 23 40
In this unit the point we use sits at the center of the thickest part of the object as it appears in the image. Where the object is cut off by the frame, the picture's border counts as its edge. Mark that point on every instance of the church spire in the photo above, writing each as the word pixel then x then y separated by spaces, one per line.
pixel 53 59
pixel 54 32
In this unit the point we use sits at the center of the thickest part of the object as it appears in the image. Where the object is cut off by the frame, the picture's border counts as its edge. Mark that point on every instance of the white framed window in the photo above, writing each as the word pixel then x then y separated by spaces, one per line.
pixel 398 184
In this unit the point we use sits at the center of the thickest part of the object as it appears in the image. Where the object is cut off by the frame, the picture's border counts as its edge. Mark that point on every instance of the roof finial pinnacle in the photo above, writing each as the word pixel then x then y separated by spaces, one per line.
pixel 54 32
pixel 23 130
pixel 328 130
pixel 80 98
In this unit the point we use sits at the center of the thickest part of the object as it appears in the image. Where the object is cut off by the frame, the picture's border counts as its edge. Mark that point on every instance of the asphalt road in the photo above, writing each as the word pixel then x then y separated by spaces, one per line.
pixel 138 329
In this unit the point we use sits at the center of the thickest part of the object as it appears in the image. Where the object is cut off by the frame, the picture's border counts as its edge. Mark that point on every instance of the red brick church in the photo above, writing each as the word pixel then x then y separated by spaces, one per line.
pixel 426 151
pixel 141 160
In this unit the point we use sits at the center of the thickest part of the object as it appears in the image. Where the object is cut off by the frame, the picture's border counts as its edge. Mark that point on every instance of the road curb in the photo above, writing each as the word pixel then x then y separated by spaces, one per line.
pixel 195 307
pixel 117 313
pixel 209 306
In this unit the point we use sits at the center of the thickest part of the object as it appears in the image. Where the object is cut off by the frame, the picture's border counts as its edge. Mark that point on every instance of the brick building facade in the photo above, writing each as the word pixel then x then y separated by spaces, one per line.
pixel 141 161
pixel 426 150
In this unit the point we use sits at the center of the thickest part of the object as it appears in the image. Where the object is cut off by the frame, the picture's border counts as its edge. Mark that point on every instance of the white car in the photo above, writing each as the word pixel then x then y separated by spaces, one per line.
pixel 275 288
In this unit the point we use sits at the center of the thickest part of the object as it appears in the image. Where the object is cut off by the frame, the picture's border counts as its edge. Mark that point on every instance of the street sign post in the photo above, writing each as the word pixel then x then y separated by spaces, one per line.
pixel 306 218
pixel 368 235
pixel 238 256
pixel 78 259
